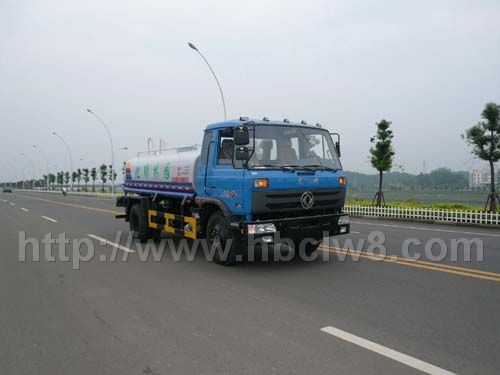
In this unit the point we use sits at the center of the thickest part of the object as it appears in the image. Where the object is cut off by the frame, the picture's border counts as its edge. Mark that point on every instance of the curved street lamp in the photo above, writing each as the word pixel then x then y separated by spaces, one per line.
pixel 11 163
pixel 47 164
pixel 9 176
pixel 112 151
pixel 33 167
pixel 70 157
pixel 193 47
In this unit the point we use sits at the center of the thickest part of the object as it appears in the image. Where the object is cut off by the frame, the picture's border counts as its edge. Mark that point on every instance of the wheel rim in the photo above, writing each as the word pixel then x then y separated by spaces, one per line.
pixel 215 235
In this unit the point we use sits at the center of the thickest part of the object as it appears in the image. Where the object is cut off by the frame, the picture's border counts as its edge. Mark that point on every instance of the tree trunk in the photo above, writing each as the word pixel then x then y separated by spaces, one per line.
pixel 493 196
pixel 379 194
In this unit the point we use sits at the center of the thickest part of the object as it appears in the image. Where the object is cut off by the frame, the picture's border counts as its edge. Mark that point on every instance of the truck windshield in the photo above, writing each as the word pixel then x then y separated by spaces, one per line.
pixel 293 147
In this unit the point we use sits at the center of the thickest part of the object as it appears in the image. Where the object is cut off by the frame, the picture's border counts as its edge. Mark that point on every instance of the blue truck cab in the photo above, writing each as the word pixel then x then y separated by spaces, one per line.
pixel 257 183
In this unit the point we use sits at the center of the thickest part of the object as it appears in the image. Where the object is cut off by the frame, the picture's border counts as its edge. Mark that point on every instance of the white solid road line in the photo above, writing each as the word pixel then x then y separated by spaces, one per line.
pixel 49 219
pixel 386 352
pixel 104 241
pixel 25 209
pixel 428 229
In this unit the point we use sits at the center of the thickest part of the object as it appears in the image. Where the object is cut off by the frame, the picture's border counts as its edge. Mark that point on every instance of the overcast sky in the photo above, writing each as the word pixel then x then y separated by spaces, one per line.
pixel 427 66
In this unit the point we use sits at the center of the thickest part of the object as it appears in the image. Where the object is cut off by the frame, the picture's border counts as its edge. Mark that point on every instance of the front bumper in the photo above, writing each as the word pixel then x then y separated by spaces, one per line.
pixel 297 228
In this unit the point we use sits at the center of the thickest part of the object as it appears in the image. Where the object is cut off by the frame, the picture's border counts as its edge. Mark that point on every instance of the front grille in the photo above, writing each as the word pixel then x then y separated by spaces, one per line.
pixel 269 204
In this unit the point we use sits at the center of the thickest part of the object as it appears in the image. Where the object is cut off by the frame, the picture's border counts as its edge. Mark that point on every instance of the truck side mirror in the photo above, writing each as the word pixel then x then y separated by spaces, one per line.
pixel 241 136
pixel 337 142
pixel 242 153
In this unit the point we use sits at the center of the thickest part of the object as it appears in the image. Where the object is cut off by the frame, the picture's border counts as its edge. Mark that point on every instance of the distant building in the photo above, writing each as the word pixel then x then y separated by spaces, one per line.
pixel 480 178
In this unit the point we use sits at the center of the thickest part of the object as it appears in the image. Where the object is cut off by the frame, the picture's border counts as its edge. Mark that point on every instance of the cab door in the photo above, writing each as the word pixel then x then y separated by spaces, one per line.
pixel 224 175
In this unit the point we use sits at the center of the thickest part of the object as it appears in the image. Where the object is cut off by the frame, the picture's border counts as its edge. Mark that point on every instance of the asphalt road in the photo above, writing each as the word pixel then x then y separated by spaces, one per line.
pixel 371 316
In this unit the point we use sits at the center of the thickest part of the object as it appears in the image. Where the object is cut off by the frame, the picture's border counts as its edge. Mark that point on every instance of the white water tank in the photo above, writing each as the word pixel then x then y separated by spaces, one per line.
pixel 167 171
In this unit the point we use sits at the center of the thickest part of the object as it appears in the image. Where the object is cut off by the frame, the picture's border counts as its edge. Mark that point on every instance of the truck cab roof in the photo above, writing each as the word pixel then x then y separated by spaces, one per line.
pixel 242 120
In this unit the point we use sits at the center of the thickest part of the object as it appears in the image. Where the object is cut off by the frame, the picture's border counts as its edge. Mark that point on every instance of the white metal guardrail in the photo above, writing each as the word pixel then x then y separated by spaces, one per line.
pixel 429 214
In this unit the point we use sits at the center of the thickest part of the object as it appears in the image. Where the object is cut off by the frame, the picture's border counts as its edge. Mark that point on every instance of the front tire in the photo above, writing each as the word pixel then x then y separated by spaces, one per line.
pixel 310 248
pixel 219 231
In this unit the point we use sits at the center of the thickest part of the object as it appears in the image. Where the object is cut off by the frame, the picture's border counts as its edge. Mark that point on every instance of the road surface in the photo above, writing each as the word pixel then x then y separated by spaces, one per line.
pixel 371 316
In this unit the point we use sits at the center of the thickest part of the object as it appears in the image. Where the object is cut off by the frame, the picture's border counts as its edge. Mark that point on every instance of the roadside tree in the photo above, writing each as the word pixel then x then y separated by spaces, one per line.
pixel 104 175
pixel 382 156
pixel 93 176
pixel 484 139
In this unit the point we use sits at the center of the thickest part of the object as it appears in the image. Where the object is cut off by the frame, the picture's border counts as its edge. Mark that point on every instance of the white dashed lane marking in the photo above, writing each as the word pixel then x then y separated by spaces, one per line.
pixel 104 241
pixel 49 219
pixel 387 352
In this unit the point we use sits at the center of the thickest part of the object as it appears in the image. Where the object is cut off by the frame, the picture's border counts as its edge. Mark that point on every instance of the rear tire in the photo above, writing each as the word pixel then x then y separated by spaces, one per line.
pixel 218 230
pixel 139 225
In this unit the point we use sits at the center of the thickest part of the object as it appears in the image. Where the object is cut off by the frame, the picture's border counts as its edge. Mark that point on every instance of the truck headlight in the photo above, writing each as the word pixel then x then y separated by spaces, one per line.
pixel 261 228
pixel 343 220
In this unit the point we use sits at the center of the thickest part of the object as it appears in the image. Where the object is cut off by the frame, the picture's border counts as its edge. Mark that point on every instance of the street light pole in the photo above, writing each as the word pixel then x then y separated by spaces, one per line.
pixel 192 46
pixel 34 169
pixel 11 164
pixel 112 150
pixel 70 157
pixel 19 175
pixel 9 176
pixel 47 164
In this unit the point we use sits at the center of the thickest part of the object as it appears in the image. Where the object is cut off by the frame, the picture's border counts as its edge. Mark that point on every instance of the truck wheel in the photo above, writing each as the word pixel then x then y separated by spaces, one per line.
pixel 139 224
pixel 310 248
pixel 218 231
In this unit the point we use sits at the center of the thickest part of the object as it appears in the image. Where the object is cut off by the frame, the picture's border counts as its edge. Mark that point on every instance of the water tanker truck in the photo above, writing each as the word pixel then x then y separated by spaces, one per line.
pixel 250 183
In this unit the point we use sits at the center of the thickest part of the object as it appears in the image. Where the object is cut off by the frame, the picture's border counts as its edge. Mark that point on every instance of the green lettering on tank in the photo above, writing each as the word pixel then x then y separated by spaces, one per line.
pixel 146 171
pixel 156 170
pixel 137 172
pixel 166 171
